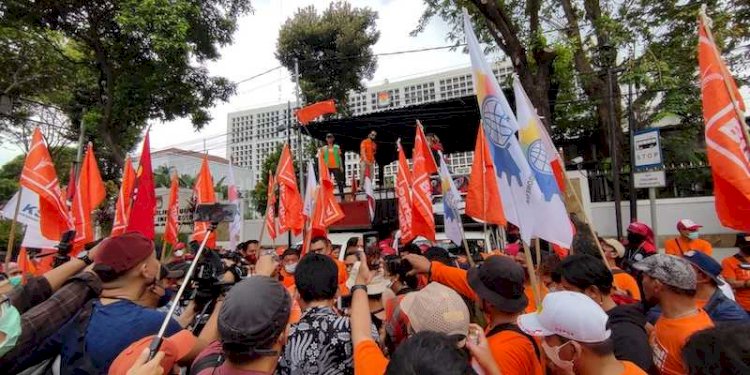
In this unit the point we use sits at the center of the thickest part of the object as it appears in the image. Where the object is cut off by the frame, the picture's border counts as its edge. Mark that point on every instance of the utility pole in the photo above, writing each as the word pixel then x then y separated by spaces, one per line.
pixel 613 151
pixel 631 134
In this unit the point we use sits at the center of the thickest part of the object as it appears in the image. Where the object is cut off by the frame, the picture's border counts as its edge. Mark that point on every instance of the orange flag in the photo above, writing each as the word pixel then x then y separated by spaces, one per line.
pixel 327 210
pixel 203 191
pixel 726 135
pixel 315 110
pixel 423 221
pixel 270 208
pixel 122 207
pixel 483 202
pixel 171 230
pixel 39 176
pixel 290 200
pixel 403 194
pixel 90 192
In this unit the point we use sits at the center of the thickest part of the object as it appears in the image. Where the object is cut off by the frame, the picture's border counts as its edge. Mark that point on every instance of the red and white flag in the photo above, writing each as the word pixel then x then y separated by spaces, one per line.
pixel 327 210
pixel 171 230
pixel 122 206
pixel 423 221
pixel 403 194
pixel 90 192
pixel 726 134
pixel 370 193
pixel 39 176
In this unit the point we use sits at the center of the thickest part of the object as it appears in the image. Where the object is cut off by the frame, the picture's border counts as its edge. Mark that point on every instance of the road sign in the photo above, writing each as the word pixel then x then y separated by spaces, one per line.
pixel 647 149
pixel 651 179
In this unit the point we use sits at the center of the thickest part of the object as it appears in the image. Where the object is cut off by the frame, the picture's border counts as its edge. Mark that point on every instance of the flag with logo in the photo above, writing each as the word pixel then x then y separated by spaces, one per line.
pixel 122 206
pixel 204 193
pixel 370 193
pixel 143 207
pixel 270 221
pixel 90 192
pixel 423 221
pixel 327 210
pixel 39 176
pixel 531 135
pixel 452 224
pixel 290 201
pixel 235 227
pixel 171 230
pixel 403 195
pixel 483 201
pixel 726 134
pixel 523 202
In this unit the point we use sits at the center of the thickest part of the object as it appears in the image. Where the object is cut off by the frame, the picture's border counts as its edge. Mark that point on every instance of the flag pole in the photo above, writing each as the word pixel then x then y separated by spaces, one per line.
pixel 11 238
pixel 263 228
pixel 532 276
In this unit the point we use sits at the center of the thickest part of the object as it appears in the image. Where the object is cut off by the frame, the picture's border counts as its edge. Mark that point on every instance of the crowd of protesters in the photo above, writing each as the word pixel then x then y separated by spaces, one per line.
pixel 380 310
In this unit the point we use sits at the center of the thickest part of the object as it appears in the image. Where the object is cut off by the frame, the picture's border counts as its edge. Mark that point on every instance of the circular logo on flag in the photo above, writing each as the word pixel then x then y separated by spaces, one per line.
pixel 538 157
pixel 496 122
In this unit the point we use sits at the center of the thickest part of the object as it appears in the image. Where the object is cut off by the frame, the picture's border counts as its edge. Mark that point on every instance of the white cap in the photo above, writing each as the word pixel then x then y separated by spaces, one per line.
pixel 572 315
pixel 687 224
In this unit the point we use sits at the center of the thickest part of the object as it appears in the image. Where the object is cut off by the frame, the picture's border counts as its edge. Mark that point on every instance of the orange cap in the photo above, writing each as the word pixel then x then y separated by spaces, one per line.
pixel 174 347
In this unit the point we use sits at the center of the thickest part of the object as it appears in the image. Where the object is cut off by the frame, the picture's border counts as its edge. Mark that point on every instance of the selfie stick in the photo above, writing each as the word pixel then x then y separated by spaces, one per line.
pixel 156 342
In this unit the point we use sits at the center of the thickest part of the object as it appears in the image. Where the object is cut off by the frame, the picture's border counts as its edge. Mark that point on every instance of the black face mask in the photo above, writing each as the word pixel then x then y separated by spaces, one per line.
pixel 512 237
pixel 634 240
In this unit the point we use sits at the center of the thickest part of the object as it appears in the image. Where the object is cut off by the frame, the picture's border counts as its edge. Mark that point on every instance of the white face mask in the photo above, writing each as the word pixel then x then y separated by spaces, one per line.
pixel 553 353
pixel 290 268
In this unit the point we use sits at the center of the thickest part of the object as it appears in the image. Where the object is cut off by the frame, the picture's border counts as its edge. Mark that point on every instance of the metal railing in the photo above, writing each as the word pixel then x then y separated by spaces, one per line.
pixel 682 180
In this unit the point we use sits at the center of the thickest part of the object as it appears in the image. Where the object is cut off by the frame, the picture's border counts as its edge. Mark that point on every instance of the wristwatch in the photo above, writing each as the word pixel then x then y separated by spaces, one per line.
pixel 358 286
pixel 84 256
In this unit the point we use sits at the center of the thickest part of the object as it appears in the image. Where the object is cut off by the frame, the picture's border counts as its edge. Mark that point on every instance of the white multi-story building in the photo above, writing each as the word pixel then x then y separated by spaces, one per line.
pixel 254 133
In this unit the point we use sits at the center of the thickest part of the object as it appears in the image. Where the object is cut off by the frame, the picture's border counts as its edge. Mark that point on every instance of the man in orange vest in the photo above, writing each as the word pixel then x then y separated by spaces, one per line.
pixel 367 150
pixel 332 157
pixel 688 240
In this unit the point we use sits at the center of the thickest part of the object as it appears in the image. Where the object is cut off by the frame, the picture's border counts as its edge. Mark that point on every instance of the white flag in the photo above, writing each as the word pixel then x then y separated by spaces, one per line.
pixel 235 227
pixel 370 193
pixel 523 202
pixel 452 224
pixel 312 185
pixel 28 214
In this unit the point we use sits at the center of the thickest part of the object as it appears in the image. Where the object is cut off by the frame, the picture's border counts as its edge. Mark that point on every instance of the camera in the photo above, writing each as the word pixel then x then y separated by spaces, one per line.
pixel 215 212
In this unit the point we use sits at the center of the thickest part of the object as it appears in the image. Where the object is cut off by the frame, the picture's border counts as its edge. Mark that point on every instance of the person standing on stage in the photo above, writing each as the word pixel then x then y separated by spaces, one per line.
pixel 367 150
pixel 332 157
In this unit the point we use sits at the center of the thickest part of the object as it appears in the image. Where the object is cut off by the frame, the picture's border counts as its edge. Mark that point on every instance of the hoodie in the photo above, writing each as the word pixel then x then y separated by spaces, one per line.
pixel 628 326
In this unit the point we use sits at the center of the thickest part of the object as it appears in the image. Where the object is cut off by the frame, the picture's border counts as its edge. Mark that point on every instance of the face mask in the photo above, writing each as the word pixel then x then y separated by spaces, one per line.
pixel 693 235
pixel 15 280
pixel 634 239
pixel 290 268
pixel 10 325
pixel 252 259
pixel 390 283
pixel 553 353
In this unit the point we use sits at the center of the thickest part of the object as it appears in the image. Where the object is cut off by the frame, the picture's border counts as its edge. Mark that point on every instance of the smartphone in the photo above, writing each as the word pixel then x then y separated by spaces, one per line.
pixel 473 335
pixel 272 253
pixel 215 213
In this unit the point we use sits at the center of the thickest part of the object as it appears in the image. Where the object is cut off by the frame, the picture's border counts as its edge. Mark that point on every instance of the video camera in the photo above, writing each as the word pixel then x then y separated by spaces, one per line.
pixel 215 212
pixel 63 248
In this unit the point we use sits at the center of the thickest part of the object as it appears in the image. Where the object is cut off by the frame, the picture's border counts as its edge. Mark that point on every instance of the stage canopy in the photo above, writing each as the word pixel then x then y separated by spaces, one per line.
pixel 454 121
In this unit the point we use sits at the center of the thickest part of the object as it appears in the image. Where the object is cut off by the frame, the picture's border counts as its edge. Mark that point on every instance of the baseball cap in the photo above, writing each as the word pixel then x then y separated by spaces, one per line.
pixel 687 224
pixel 254 314
pixel 329 135
pixel 437 308
pixel 706 264
pixel 668 269
pixel 174 347
pixel 743 240
pixel 572 315
pixel 123 252
pixel 499 281
pixel 615 244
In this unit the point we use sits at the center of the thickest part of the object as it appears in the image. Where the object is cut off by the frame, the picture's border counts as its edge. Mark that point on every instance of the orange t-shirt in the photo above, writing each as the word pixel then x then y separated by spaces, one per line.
pixel 514 354
pixel 679 246
pixel 367 150
pixel 631 369
pixel 288 278
pixel 343 275
pixel 626 283
pixel 529 292
pixel 670 335
pixel 368 359
pixel 731 270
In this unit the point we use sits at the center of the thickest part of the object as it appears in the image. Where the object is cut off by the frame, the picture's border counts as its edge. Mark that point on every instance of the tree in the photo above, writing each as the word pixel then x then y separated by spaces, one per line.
pixel 10 172
pixel 260 193
pixel 140 60
pixel 334 50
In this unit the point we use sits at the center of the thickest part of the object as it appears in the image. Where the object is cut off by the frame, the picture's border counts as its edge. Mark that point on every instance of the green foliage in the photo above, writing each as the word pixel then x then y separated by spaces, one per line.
pixel 134 61
pixel 5 236
pixel 260 193
pixel 333 49
pixel 10 172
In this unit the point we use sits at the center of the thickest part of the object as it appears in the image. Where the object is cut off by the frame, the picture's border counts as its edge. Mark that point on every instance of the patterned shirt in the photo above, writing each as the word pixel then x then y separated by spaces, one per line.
pixel 320 343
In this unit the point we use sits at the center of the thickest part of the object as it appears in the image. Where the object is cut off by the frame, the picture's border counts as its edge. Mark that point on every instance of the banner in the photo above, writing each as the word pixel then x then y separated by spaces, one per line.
pixel 28 214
